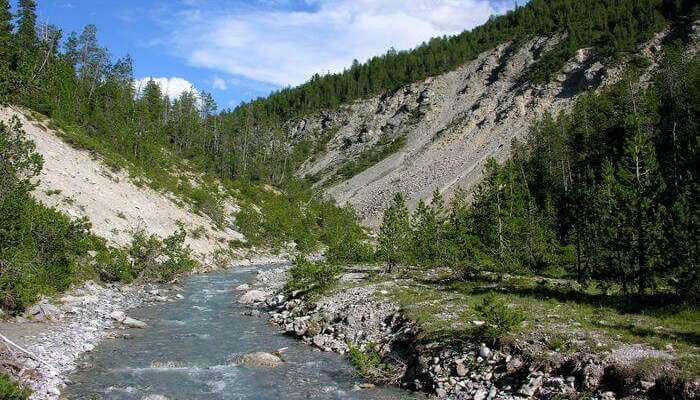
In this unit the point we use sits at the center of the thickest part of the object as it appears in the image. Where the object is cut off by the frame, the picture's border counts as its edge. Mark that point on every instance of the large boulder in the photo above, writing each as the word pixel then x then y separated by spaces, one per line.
pixel 253 296
pixel 43 311
pixel 261 359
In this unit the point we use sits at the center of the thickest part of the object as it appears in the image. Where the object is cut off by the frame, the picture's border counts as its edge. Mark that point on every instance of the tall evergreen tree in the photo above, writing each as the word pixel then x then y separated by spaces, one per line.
pixel 6 50
pixel 395 233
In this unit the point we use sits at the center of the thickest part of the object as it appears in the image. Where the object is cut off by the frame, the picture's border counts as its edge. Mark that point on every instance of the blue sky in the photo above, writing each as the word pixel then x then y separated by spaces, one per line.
pixel 242 49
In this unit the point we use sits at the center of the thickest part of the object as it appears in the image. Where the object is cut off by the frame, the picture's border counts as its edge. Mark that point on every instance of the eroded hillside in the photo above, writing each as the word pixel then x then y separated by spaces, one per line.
pixel 447 126
pixel 79 184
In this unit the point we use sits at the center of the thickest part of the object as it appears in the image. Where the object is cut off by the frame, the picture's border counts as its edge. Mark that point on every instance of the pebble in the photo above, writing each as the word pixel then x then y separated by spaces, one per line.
pixel 92 309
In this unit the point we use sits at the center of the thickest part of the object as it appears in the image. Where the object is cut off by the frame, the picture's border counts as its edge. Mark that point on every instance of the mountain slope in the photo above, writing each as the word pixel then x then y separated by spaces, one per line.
pixel 452 124
pixel 80 185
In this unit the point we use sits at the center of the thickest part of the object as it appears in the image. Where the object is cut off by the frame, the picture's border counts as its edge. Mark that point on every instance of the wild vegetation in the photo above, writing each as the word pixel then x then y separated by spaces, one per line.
pixel 43 252
pixel 9 390
pixel 602 194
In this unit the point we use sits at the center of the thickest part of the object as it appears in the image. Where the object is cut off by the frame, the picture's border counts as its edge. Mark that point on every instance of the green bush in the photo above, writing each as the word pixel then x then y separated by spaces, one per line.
pixel 40 249
pixel 499 319
pixel 157 260
pixel 9 390
pixel 369 364
pixel 113 265
pixel 311 278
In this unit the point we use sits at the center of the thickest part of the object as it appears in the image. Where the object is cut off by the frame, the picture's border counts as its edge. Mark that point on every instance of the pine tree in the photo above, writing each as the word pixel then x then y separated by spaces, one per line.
pixel 395 233
pixel 26 27
pixel 640 188
pixel 6 50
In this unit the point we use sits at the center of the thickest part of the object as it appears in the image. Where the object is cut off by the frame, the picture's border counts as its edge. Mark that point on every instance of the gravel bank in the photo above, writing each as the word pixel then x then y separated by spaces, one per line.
pixel 360 316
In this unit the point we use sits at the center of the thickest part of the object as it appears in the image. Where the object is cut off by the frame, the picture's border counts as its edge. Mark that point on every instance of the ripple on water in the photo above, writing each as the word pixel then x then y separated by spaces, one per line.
pixel 190 341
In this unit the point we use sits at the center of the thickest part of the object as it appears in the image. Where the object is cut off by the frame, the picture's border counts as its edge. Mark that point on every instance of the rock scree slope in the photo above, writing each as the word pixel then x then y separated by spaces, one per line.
pixel 80 185
pixel 452 124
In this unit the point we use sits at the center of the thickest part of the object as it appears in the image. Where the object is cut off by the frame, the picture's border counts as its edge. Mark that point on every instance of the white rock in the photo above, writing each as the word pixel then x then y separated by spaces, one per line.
pixel 242 288
pixel 133 323
pixel 261 359
pixel 480 394
pixel 484 351
pixel 253 296
pixel 118 316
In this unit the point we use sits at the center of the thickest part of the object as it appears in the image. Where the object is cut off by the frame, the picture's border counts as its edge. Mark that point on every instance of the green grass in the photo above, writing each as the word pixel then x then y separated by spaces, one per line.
pixel 564 317
pixel 383 149
pixel 9 390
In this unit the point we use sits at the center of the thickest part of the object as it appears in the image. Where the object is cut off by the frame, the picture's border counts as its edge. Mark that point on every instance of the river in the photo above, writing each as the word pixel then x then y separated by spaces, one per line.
pixel 187 348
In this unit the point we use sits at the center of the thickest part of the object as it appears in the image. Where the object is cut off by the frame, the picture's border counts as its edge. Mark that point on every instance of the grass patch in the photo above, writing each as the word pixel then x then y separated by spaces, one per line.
pixel 383 149
pixel 10 390
pixel 562 315
pixel 369 364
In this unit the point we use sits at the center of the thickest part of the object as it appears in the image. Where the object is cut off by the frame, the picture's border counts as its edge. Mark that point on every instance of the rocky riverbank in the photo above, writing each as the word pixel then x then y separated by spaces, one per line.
pixel 54 333
pixel 49 338
pixel 362 316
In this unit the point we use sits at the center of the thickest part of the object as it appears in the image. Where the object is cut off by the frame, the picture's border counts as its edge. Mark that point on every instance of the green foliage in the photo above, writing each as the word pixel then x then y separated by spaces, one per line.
pixel 19 162
pixel 383 149
pixel 157 260
pixel 311 278
pixel 9 390
pixel 498 318
pixel 395 234
pixel 113 265
pixel 368 363
pixel 295 214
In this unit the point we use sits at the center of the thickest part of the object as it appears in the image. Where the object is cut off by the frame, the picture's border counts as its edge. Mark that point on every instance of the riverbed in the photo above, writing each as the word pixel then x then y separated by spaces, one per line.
pixel 189 348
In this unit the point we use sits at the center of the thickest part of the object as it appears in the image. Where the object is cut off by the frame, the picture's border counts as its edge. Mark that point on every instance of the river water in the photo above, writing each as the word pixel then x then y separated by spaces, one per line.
pixel 186 353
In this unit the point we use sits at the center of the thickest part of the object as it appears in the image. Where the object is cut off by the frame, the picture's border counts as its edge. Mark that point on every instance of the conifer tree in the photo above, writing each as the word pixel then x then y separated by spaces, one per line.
pixel 6 50
pixel 395 233
pixel 26 27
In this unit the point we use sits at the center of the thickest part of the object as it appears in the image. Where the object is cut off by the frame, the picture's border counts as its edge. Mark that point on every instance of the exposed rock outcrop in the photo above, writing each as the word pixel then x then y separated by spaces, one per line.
pixel 452 124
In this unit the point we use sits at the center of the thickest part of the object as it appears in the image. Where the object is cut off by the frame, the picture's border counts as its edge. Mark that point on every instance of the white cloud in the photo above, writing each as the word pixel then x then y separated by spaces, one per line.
pixel 219 83
pixel 172 87
pixel 288 47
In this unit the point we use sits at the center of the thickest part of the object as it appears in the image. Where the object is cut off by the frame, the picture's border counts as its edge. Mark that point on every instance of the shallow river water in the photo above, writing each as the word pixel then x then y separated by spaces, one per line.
pixel 186 350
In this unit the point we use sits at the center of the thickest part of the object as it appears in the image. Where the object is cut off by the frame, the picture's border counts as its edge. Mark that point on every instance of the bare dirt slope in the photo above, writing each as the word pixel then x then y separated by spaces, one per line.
pixel 452 124
pixel 80 185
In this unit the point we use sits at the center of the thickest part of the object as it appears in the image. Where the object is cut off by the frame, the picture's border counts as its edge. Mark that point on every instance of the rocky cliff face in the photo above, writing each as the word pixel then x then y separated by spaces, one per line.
pixel 451 125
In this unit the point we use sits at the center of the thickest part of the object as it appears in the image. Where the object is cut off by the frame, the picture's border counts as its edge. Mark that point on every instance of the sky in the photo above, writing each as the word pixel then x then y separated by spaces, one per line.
pixel 243 49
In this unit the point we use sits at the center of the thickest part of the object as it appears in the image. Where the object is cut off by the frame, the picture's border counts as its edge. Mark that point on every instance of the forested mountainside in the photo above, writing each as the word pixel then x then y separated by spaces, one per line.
pixel 591 210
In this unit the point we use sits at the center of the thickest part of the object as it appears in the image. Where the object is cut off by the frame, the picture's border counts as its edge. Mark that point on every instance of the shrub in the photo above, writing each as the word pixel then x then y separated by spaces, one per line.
pixel 40 250
pixel 113 265
pixel 311 278
pixel 370 365
pixel 158 260
pixel 9 390
pixel 498 318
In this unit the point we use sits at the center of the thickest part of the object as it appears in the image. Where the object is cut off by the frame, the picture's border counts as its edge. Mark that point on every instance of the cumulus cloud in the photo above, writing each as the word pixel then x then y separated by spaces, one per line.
pixel 287 46
pixel 172 87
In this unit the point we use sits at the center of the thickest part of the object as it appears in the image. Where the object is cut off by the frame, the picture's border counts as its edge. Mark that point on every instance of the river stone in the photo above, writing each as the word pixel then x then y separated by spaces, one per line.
pixel 484 351
pixel 253 296
pixel 531 387
pixel 462 370
pixel 261 359
pixel 118 316
pixel 242 288
pixel 133 323
pixel 481 394
pixel 43 311
pixel 155 397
